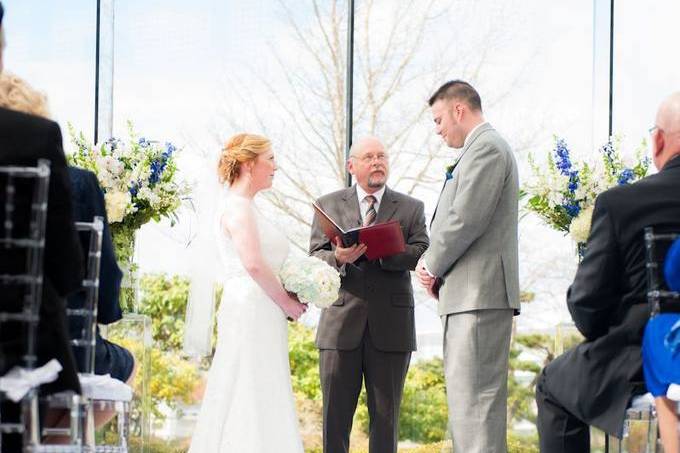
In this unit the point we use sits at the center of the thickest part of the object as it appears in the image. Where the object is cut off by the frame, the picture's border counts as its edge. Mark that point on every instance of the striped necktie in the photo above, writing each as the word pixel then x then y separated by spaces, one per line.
pixel 370 214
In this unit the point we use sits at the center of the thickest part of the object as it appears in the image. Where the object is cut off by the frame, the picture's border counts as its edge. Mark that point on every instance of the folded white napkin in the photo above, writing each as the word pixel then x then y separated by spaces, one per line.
pixel 18 381
pixel 104 387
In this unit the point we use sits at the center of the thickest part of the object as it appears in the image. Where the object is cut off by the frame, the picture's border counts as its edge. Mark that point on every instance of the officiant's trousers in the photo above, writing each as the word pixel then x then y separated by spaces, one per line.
pixel 342 373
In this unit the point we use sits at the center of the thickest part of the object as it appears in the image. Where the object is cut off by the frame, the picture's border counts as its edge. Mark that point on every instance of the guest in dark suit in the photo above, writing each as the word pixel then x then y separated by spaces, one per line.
pixel 88 202
pixel 109 358
pixel 369 332
pixel 593 383
pixel 23 140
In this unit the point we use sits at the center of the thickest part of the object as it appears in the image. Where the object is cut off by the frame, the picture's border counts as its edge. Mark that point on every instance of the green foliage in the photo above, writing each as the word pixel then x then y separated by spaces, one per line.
pixel 171 378
pixel 164 300
pixel 423 409
pixel 304 362
pixel 522 444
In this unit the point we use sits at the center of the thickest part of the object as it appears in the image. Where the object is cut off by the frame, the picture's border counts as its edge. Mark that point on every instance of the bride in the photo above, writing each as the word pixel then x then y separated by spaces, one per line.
pixel 248 404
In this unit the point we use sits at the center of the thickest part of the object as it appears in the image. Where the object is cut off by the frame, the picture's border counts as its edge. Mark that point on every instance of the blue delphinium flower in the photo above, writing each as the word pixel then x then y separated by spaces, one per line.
pixel 572 208
pixel 155 172
pixel 626 176
pixel 573 184
pixel 562 161
pixel 134 188
pixel 608 151
pixel 143 142
pixel 169 149
pixel 113 143
pixel 564 165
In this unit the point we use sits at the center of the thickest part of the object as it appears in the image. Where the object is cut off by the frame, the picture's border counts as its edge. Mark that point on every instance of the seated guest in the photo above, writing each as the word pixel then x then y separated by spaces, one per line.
pixel 88 201
pixel 661 358
pixel 593 383
pixel 23 140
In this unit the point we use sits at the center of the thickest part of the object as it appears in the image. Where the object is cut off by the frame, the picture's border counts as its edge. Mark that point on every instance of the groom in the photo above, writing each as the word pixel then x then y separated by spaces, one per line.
pixel 369 331
pixel 471 267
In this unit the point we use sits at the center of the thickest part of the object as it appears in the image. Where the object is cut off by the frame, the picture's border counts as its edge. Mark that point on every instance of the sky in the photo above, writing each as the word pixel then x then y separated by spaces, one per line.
pixel 174 63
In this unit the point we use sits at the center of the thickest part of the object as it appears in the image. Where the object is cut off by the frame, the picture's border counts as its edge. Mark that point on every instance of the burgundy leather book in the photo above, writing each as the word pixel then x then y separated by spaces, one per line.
pixel 381 239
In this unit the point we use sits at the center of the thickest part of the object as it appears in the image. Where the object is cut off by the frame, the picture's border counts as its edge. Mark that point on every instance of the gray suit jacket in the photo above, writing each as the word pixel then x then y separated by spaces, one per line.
pixel 474 229
pixel 375 293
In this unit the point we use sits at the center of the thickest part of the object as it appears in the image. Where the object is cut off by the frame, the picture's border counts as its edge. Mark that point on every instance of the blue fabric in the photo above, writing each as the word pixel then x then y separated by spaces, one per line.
pixel 671 267
pixel 660 366
pixel 672 340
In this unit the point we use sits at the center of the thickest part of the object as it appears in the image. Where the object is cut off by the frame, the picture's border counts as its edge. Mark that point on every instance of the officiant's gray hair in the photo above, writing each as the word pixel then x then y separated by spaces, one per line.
pixel 358 145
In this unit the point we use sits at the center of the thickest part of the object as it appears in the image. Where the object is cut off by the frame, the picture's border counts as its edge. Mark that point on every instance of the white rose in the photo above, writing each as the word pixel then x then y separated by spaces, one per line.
pixel 117 205
pixel 580 226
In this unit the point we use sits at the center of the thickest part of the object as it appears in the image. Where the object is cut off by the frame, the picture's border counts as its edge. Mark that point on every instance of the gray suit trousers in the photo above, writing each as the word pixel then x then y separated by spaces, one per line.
pixel 476 350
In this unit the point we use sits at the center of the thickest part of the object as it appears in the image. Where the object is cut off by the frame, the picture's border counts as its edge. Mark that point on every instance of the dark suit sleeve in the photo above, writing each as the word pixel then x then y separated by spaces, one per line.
pixel 319 245
pixel 417 242
pixel 63 255
pixel 110 274
pixel 595 291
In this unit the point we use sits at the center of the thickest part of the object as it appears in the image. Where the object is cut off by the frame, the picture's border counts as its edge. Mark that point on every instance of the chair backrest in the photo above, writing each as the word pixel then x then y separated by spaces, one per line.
pixel 24 193
pixel 23 219
pixel 657 242
pixel 86 315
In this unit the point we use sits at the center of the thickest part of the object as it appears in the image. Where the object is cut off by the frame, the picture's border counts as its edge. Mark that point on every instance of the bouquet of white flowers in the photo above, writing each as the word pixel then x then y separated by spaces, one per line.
pixel 311 279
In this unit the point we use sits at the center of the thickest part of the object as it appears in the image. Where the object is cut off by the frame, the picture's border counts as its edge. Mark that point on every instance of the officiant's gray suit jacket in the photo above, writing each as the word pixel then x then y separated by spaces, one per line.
pixel 377 293
pixel 474 229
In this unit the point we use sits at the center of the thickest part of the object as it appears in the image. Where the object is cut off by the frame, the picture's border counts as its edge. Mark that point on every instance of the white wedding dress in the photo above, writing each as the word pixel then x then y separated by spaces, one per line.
pixel 248 406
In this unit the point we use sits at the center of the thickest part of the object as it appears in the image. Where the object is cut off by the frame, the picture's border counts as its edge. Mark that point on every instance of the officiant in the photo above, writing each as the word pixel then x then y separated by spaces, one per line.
pixel 369 332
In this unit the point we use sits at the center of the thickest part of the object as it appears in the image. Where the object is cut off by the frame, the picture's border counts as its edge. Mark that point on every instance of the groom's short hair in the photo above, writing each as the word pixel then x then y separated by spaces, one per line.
pixel 459 90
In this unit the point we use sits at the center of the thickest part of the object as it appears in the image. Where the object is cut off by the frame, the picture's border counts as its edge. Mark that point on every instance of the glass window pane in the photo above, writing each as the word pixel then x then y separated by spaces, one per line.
pixel 52 46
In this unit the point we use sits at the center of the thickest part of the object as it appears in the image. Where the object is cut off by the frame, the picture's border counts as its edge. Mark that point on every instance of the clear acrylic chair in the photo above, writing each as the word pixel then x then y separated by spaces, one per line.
pixel 22 238
pixel 99 392
pixel 640 427
pixel 80 429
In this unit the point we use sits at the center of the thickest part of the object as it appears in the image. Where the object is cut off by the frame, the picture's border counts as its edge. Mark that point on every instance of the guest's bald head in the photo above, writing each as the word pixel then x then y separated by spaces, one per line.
pixel 666 137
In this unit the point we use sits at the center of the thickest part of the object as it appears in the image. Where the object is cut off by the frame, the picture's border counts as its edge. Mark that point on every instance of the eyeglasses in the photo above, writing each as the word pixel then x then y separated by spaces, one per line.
pixel 653 129
pixel 368 158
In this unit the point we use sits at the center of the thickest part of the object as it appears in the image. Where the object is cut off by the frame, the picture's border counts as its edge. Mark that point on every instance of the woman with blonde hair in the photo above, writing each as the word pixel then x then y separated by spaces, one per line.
pixel 248 406
pixel 16 94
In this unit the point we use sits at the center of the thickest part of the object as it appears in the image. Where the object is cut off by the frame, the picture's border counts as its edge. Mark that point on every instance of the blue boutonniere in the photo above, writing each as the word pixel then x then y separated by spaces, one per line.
pixel 449 171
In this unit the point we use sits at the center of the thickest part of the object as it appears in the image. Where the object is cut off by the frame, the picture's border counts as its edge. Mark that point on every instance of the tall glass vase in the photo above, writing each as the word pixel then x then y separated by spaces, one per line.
pixel 124 245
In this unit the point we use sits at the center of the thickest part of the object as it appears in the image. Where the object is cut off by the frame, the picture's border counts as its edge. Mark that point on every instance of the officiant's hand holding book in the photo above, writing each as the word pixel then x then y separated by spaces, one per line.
pixel 380 239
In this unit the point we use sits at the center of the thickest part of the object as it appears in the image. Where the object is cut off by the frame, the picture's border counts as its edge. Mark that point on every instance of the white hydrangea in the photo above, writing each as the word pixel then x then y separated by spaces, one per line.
pixel 145 193
pixel 580 226
pixel 118 204
pixel 311 279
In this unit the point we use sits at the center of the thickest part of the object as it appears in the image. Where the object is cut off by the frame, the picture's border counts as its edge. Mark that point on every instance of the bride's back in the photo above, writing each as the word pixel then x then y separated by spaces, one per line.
pixel 273 243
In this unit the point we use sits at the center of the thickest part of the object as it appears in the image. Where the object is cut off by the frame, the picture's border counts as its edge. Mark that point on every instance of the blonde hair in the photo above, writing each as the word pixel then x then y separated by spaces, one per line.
pixel 17 94
pixel 240 149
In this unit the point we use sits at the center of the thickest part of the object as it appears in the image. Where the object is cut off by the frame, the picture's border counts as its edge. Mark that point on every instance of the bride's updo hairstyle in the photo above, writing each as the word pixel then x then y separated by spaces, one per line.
pixel 238 150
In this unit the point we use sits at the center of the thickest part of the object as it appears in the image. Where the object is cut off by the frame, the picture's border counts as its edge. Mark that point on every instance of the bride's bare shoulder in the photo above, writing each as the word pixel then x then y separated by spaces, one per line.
pixel 237 213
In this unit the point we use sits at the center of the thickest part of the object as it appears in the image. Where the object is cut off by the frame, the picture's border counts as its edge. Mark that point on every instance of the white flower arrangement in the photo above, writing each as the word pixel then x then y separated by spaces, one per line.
pixel 580 226
pixel 311 279
pixel 138 177
pixel 563 193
